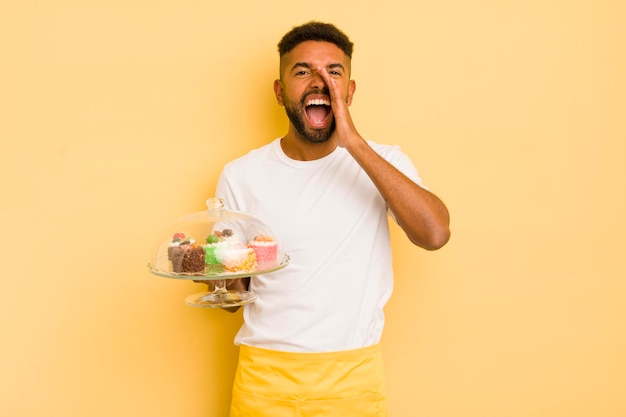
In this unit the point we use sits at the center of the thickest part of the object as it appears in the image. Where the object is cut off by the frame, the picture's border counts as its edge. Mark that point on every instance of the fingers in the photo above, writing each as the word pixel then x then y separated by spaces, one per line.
pixel 237 284
pixel 240 284
pixel 337 102
pixel 333 85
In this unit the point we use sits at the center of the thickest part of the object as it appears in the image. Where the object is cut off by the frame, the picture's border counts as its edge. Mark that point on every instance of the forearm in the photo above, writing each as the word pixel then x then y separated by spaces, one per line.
pixel 421 214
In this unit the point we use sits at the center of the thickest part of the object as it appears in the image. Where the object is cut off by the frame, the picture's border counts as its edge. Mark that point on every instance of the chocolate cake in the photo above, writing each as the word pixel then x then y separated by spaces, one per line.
pixel 186 257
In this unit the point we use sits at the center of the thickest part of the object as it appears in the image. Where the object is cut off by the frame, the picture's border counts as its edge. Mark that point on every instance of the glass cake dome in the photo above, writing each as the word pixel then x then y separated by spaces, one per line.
pixel 217 245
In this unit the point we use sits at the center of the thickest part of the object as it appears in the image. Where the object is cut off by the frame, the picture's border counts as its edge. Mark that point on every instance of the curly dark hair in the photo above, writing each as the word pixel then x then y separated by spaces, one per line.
pixel 315 31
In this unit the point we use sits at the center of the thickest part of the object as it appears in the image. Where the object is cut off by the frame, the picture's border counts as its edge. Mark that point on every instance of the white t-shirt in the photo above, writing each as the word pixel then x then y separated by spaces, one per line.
pixel 332 222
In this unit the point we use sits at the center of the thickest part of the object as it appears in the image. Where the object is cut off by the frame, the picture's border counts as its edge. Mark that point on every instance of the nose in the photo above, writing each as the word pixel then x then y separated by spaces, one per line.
pixel 317 81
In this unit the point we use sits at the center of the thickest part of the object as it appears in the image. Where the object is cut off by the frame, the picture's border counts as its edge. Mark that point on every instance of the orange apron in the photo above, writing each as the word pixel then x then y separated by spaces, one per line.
pixel 271 383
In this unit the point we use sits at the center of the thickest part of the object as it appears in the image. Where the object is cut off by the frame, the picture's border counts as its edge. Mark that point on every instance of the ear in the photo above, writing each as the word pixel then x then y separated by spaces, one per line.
pixel 351 90
pixel 278 92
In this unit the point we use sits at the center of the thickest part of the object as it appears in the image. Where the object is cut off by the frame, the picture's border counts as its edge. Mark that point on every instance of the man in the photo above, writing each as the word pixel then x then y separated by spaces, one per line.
pixel 309 344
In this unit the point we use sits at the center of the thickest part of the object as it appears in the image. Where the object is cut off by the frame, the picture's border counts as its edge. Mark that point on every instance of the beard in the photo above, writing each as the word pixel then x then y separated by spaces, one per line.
pixel 296 116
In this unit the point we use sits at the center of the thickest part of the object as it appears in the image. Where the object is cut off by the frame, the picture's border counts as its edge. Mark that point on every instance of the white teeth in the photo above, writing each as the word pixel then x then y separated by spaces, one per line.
pixel 318 102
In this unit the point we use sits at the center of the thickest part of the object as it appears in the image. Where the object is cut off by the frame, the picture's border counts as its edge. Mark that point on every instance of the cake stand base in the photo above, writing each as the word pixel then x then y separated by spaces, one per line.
pixel 220 299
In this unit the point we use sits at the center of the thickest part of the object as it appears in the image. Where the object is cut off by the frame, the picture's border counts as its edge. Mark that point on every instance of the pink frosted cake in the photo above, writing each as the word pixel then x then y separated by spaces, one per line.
pixel 266 250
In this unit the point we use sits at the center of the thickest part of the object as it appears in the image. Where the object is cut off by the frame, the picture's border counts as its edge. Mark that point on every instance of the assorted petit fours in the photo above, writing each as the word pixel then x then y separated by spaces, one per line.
pixel 222 252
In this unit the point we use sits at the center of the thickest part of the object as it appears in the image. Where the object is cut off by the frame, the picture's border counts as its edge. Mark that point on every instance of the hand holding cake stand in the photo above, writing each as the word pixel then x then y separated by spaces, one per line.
pixel 220 246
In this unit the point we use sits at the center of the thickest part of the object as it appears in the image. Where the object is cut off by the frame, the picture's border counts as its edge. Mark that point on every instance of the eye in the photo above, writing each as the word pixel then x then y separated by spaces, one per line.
pixel 302 73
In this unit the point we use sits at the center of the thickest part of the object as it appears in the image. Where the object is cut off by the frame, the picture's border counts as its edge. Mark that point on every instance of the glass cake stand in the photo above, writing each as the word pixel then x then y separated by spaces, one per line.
pixel 201 247
pixel 221 297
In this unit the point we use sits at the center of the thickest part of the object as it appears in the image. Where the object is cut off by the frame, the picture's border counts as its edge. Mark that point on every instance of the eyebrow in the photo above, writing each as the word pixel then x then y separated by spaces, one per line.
pixel 309 66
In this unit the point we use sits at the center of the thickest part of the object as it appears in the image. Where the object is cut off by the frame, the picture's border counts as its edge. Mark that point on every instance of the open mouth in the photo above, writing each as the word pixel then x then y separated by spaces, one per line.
pixel 318 111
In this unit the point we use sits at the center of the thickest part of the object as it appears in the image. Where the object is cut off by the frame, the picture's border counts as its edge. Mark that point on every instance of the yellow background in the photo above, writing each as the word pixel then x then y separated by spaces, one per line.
pixel 117 116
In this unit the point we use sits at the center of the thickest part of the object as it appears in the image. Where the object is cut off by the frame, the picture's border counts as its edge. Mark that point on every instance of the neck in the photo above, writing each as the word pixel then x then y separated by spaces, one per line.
pixel 300 149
